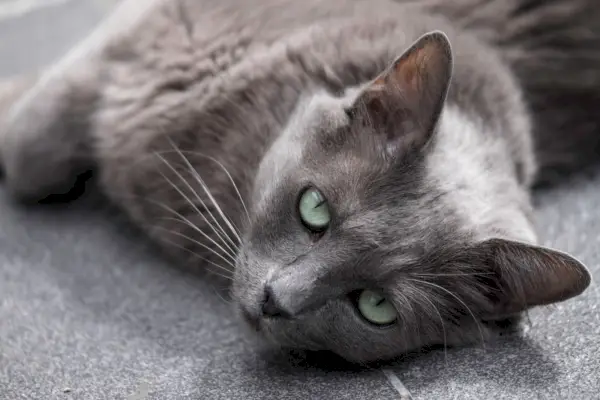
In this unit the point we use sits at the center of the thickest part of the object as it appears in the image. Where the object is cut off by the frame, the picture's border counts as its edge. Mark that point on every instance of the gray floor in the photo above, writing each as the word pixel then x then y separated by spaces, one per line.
pixel 88 311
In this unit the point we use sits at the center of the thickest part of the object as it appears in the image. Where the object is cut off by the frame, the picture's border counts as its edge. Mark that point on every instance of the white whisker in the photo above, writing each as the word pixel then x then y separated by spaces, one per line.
pixel 452 274
pixel 460 300
pixel 412 311
pixel 231 243
pixel 231 252
pixel 427 299
pixel 182 219
pixel 230 256
pixel 234 229
pixel 235 187
pixel 230 263
pixel 221 297
pixel 210 196
pixel 228 277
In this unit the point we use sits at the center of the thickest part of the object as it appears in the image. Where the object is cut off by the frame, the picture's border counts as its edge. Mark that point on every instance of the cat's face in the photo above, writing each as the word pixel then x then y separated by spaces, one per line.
pixel 356 246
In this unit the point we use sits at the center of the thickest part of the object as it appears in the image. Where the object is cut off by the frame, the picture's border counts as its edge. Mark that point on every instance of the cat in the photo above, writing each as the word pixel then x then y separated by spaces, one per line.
pixel 360 169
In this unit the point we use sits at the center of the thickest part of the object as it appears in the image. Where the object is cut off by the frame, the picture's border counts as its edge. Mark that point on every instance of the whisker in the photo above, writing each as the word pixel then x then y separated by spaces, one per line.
pixel 195 255
pixel 198 243
pixel 452 274
pixel 234 248
pixel 231 253
pixel 191 170
pixel 234 229
pixel 209 194
pixel 427 299
pixel 222 234
pixel 182 219
pixel 226 277
pixel 221 297
pixel 459 300
pixel 415 327
pixel 235 187
pixel 231 256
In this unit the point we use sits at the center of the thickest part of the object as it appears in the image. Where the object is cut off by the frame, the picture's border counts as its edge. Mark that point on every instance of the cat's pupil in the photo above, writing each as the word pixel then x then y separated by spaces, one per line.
pixel 320 204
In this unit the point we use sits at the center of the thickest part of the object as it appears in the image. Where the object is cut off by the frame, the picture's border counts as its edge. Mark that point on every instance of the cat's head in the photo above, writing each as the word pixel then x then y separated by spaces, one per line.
pixel 383 220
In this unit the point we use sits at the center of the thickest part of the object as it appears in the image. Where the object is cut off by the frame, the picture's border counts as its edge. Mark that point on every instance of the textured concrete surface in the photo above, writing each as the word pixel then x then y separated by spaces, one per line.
pixel 89 311
pixel 558 357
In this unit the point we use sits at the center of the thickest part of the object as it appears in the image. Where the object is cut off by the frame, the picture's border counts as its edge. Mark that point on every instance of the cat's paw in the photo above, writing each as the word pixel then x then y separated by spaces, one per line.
pixel 10 91
pixel 38 152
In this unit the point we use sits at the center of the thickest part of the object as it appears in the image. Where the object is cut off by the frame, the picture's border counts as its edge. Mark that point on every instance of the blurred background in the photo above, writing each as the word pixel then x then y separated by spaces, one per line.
pixel 35 32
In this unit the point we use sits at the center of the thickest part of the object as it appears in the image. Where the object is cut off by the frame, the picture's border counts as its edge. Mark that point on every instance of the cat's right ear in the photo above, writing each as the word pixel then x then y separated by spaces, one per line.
pixel 403 104
pixel 524 275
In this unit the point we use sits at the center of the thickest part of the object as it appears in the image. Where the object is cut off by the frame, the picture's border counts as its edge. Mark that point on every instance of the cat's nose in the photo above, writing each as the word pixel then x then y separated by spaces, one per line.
pixel 270 306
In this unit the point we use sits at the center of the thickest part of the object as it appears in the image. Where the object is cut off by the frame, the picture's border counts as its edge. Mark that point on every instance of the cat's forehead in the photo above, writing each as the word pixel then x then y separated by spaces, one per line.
pixel 304 150
pixel 321 112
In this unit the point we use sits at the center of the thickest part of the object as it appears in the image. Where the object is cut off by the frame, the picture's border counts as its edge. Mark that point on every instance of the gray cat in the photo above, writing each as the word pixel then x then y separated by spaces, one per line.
pixel 361 170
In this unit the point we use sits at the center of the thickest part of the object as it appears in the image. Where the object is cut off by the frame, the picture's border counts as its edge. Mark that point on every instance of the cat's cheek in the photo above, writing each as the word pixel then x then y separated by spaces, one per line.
pixel 340 329
pixel 246 294
pixel 297 334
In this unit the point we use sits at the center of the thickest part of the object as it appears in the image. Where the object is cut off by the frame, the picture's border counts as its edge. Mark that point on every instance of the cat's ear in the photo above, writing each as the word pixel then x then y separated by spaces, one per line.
pixel 526 275
pixel 403 104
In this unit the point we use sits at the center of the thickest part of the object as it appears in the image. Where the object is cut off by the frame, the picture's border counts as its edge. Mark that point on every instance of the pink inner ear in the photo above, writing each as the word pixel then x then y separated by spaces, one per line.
pixel 410 71
pixel 403 103
pixel 406 72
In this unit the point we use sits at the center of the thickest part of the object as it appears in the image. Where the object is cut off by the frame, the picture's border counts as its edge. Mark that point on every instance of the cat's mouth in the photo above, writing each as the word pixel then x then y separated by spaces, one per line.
pixel 252 320
pixel 257 321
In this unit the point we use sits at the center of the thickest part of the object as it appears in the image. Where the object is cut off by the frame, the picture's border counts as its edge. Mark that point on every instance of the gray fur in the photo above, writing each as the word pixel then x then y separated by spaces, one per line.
pixel 183 107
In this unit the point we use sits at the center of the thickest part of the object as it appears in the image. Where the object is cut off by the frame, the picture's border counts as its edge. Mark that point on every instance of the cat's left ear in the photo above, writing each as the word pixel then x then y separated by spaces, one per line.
pixel 403 104
pixel 525 275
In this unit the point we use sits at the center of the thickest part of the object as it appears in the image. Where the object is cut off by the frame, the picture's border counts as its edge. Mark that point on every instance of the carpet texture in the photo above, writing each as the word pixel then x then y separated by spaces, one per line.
pixel 89 311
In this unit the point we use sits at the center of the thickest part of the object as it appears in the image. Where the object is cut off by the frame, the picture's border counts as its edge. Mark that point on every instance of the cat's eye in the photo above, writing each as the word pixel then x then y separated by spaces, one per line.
pixel 376 308
pixel 314 210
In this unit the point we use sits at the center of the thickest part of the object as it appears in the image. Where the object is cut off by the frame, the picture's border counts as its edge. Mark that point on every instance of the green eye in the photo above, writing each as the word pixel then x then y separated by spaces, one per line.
pixel 375 308
pixel 314 210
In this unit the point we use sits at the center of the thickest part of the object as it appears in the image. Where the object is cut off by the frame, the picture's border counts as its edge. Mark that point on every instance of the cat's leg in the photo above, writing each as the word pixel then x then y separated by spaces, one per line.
pixel 45 141
pixel 43 135
pixel 10 91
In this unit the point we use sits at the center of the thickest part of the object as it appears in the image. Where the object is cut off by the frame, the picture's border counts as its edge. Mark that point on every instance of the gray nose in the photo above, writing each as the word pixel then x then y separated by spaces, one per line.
pixel 270 306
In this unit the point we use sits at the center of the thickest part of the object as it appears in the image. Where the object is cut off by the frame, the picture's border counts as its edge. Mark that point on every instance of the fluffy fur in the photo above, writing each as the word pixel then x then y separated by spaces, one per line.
pixel 205 120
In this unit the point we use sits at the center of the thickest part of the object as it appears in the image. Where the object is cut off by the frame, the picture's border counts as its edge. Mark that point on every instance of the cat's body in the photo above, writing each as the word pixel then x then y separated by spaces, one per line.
pixel 251 97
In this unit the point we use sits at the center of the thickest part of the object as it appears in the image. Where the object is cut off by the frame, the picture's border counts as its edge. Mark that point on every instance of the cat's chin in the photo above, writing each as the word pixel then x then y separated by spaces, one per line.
pixel 278 334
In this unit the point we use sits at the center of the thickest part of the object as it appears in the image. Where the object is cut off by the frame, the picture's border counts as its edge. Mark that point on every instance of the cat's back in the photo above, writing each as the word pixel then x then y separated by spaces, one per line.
pixel 200 55
pixel 238 66
pixel 203 87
